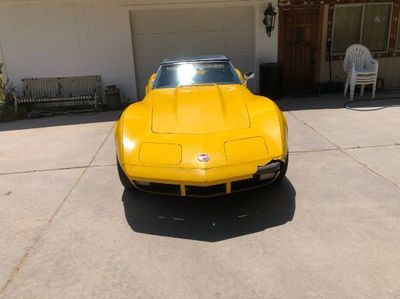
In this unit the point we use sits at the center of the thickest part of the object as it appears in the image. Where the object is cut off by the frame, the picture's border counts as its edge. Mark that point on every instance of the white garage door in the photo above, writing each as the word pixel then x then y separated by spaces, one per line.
pixel 160 34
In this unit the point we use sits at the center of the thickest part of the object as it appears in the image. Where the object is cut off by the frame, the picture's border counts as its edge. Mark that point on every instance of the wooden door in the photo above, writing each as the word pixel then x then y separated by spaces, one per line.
pixel 299 51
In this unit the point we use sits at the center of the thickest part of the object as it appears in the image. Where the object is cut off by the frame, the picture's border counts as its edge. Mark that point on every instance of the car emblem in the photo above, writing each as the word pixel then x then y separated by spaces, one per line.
pixel 203 158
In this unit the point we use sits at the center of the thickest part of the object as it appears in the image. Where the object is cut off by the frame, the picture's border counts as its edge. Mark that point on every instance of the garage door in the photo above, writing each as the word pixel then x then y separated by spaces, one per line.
pixel 160 34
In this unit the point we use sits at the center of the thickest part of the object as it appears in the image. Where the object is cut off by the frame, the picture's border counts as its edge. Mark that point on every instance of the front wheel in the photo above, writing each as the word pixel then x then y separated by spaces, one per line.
pixel 123 178
pixel 282 173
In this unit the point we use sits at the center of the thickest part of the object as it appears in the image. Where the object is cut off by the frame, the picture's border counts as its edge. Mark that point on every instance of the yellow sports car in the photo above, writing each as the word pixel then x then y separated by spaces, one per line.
pixel 200 132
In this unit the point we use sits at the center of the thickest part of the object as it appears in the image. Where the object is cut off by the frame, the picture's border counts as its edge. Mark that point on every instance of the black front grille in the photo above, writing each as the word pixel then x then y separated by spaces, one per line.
pixel 161 188
pixel 248 184
pixel 206 191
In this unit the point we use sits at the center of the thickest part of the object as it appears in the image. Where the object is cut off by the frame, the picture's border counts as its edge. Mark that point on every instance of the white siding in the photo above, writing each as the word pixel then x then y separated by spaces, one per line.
pixel 54 38
pixel 89 37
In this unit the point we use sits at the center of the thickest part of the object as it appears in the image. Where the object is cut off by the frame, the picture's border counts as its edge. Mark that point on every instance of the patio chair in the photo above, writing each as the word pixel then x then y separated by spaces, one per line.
pixel 361 69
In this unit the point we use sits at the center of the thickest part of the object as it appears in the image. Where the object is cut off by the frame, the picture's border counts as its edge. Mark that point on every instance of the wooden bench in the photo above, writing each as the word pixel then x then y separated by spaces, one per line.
pixel 81 90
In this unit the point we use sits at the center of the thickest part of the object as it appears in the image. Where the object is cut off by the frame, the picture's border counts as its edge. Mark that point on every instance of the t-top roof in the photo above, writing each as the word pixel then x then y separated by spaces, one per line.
pixel 200 58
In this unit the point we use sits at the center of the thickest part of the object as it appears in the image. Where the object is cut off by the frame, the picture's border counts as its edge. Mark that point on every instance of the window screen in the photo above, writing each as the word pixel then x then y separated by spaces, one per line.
pixel 376 27
pixel 366 24
pixel 347 26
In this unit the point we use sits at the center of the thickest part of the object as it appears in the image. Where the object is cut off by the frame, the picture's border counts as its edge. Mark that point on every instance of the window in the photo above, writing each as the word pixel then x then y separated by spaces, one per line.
pixel 376 27
pixel 347 27
pixel 366 24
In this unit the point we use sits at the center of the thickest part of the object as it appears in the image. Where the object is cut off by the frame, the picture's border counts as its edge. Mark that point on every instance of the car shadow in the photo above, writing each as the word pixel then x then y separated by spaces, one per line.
pixel 60 120
pixel 212 219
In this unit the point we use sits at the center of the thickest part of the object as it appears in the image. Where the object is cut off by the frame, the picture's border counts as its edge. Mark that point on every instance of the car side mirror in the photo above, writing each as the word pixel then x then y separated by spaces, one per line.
pixel 247 76
pixel 149 85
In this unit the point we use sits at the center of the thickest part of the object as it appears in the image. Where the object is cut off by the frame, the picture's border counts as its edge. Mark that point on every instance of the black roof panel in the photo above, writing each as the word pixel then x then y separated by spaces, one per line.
pixel 195 58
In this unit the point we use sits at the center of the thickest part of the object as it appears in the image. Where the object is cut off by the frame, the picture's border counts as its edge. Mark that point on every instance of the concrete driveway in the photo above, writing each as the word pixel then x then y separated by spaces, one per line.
pixel 331 229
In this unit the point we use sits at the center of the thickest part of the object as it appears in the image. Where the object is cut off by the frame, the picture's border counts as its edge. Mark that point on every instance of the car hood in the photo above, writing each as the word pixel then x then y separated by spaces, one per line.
pixel 200 109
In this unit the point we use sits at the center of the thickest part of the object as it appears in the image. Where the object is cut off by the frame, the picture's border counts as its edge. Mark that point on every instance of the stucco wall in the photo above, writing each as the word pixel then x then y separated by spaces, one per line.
pixel 388 67
pixel 67 37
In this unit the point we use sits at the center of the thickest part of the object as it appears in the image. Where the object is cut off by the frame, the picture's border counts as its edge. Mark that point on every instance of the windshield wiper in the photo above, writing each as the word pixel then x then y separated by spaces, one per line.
pixel 198 84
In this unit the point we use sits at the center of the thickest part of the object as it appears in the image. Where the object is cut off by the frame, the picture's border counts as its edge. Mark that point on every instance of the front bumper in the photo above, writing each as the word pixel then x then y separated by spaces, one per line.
pixel 205 182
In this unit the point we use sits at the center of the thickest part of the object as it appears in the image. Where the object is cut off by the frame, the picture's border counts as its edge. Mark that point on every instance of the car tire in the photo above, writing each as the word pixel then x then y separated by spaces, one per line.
pixel 123 178
pixel 282 173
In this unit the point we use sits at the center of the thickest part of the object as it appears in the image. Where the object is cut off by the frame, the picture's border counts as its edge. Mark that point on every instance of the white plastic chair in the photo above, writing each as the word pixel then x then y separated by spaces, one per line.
pixel 361 69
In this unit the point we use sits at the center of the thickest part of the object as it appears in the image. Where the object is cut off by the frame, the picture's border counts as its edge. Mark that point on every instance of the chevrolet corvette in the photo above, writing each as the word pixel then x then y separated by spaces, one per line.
pixel 199 131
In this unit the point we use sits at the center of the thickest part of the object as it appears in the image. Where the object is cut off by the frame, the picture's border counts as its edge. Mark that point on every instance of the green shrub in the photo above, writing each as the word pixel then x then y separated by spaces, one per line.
pixel 7 111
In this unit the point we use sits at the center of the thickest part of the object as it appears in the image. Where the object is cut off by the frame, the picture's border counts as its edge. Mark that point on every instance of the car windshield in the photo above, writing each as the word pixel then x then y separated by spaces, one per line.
pixel 196 73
